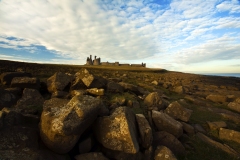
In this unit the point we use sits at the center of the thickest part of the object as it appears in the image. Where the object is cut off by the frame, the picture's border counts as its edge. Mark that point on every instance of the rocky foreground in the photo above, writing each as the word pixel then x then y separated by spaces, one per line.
pixel 115 115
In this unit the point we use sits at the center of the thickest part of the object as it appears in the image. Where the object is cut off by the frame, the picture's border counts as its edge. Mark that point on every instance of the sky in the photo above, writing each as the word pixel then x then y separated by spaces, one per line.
pixel 197 36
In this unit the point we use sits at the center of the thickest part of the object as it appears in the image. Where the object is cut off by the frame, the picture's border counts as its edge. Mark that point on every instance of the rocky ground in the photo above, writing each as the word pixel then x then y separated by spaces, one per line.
pixel 97 113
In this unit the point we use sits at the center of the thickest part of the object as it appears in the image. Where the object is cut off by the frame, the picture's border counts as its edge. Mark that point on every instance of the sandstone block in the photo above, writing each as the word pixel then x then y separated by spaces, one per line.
pixel 176 111
pixel 217 98
pixel 230 135
pixel 58 82
pixel 6 78
pixel 25 82
pixel 234 106
pixel 63 122
pixel 164 153
pixel 154 101
pixel 118 131
pixel 166 123
pixel 145 131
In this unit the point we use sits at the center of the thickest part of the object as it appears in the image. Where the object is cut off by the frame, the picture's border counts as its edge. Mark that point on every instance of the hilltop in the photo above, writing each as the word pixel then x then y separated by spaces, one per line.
pixel 107 112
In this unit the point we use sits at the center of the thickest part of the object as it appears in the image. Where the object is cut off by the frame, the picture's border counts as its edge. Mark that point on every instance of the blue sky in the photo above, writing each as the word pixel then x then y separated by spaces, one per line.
pixel 197 36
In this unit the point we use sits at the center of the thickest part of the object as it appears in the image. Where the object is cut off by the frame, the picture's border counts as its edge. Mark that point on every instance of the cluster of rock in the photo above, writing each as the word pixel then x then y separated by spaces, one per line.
pixel 76 122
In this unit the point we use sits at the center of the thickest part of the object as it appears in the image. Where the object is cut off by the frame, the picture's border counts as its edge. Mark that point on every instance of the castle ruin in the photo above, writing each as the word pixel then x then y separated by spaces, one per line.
pixel 97 61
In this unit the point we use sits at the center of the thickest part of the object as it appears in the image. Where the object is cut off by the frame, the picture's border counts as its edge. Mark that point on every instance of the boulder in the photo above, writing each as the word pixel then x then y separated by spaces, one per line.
pixel 230 135
pixel 216 125
pixel 179 89
pixel 217 98
pixel 164 122
pixel 114 87
pixel 6 78
pixel 120 155
pixel 78 92
pixel 154 101
pixel 31 100
pixel 234 106
pixel 188 129
pixel 91 156
pixel 7 99
pixel 168 140
pixel 176 111
pixel 90 80
pixel 77 84
pixel 130 87
pixel 145 131
pixel 59 82
pixel 85 145
pixel 118 131
pixel 164 153
pixel 95 91
pixel 155 82
pixel 25 82
pixel 218 145
pixel 63 122
pixel 60 94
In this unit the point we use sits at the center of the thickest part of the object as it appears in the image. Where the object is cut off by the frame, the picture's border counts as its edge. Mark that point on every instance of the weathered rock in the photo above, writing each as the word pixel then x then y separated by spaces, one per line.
pixel 188 129
pixel 31 100
pixel 6 78
pixel 234 106
pixel 230 135
pixel 114 87
pixel 145 131
pixel 63 122
pixel 217 98
pixel 199 128
pixel 85 145
pixel 95 91
pixel 216 125
pixel 7 99
pixel 18 137
pixel 120 155
pixel 168 140
pixel 155 82
pixel 164 153
pixel 154 101
pixel 118 131
pixel 148 153
pixel 179 89
pixel 231 117
pixel 91 156
pixel 218 145
pixel 78 92
pixel 176 111
pixel 77 84
pixel 25 82
pixel 60 94
pixel 90 80
pixel 130 87
pixel 164 122
pixel 58 82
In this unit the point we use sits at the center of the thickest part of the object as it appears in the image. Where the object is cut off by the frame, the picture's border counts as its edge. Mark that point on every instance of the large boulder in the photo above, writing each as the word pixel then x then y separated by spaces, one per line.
pixel 90 80
pixel 164 153
pixel 164 122
pixel 145 131
pixel 114 87
pixel 168 140
pixel 59 82
pixel 6 78
pixel 217 98
pixel 25 82
pixel 31 100
pixel 118 131
pixel 229 134
pixel 154 101
pixel 176 111
pixel 63 122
